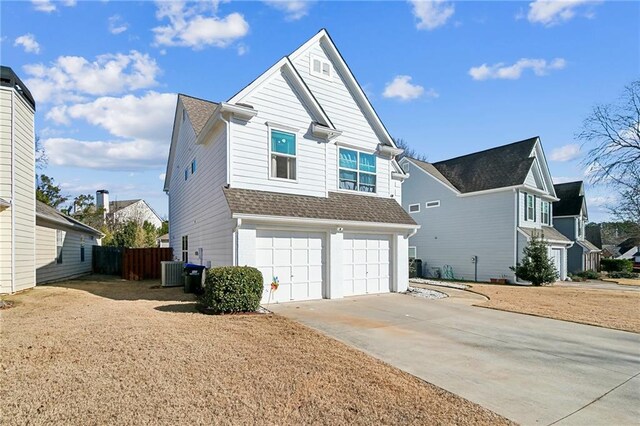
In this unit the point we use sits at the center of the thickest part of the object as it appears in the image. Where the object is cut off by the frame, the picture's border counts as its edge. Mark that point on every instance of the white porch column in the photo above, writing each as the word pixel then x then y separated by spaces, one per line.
pixel 246 247
pixel 334 287
pixel 400 281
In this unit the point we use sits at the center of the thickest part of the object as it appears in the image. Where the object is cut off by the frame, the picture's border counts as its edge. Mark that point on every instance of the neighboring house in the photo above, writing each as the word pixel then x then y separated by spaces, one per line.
pixel 569 218
pixel 163 241
pixel 478 212
pixel 126 210
pixel 17 184
pixel 63 245
pixel 295 175
pixel 627 248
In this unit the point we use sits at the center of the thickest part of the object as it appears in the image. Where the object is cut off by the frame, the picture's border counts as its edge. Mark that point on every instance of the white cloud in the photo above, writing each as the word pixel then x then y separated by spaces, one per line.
pixel 49 6
pixel 148 117
pixel 74 77
pixel 540 67
pixel 243 49
pixel 117 25
pixel 553 12
pixel 106 155
pixel 565 153
pixel 162 176
pixel 28 42
pixel 293 9
pixel 432 14
pixel 197 26
pixel 402 88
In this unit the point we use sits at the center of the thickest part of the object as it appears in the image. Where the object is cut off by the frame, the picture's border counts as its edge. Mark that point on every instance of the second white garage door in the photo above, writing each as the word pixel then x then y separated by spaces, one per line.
pixel 366 264
pixel 296 258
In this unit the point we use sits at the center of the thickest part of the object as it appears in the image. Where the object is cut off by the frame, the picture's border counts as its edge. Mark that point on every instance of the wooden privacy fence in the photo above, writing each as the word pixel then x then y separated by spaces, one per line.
pixel 130 263
pixel 144 263
pixel 107 260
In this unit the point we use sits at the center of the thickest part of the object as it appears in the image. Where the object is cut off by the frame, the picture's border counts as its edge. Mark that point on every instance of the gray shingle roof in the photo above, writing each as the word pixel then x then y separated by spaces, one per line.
pixel 571 199
pixel 198 111
pixel 337 206
pixel 499 167
pixel 46 212
pixel 587 245
pixel 550 234
pixel 114 206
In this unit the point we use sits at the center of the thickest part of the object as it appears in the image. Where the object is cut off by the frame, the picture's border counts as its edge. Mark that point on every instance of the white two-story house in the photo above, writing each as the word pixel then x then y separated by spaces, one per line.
pixel 477 212
pixel 295 175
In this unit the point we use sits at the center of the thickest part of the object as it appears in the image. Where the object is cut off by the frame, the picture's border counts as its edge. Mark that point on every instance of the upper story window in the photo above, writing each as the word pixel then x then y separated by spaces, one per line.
pixel 432 204
pixel 283 155
pixel 530 207
pixel 545 212
pixel 580 227
pixel 320 67
pixel 357 171
pixel 405 167
pixel 414 208
pixel 193 166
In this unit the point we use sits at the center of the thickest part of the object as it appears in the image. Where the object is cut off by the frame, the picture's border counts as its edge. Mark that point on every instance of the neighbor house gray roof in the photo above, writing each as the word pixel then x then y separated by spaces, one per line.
pixel 337 206
pixel 550 234
pixel 50 214
pixel 587 245
pixel 499 167
pixel 571 199
pixel 198 110
pixel 114 206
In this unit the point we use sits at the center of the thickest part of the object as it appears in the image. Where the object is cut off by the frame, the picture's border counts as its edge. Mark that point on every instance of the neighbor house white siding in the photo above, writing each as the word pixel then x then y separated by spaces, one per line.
pixel 47 268
pixel 140 212
pixel 17 180
pixel 462 227
pixel 197 207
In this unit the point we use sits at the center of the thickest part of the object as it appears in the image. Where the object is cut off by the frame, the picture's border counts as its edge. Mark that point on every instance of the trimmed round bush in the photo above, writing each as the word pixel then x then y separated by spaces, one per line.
pixel 231 289
pixel 617 265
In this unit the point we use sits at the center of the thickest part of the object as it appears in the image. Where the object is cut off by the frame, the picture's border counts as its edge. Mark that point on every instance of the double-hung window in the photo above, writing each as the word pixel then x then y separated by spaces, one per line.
pixel 185 249
pixel 357 171
pixel 283 155
pixel 59 244
pixel 545 212
pixel 530 207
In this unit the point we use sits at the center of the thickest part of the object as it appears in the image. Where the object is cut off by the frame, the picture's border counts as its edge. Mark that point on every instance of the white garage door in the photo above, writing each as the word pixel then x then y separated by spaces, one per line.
pixel 556 256
pixel 296 258
pixel 366 264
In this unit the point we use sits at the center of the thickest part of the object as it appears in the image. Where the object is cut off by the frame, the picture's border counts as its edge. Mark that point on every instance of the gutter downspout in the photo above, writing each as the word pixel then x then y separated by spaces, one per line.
pixel 515 231
pixel 13 193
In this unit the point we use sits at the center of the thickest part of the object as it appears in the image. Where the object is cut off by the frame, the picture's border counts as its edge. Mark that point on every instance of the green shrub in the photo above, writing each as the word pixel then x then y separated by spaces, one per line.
pixel 232 289
pixel 589 275
pixel 615 265
pixel 623 274
pixel 536 266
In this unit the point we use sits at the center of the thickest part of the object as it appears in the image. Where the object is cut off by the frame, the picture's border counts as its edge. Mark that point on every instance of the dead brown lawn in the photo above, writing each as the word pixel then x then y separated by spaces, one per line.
pixel 624 281
pixel 605 308
pixel 113 352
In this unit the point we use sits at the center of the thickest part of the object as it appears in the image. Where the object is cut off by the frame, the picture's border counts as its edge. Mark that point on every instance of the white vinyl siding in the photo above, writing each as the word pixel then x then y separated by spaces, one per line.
pixel 72 265
pixel 197 208
pixel 340 105
pixel 23 205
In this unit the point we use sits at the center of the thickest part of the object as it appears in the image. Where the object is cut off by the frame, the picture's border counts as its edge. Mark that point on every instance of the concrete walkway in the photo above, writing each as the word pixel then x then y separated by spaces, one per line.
pixel 535 371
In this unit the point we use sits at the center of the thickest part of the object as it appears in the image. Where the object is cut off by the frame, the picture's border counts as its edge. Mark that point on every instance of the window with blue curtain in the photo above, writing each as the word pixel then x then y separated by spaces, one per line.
pixel 357 171
pixel 283 143
pixel 283 152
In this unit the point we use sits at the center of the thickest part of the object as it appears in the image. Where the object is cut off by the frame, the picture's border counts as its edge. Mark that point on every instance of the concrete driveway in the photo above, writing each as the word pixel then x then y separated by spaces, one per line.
pixel 532 370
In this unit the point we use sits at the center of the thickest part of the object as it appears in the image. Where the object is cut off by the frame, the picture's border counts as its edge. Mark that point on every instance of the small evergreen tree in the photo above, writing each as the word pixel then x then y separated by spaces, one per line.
pixel 536 266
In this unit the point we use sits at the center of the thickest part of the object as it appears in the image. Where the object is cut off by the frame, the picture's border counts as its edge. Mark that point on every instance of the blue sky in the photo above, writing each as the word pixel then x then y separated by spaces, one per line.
pixel 448 77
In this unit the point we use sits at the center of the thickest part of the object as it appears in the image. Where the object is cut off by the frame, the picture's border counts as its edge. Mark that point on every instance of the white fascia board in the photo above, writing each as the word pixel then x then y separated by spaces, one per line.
pixel 526 188
pixel 544 166
pixel 285 220
pixel 449 187
pixel 172 149
pixel 343 68
pixel 324 132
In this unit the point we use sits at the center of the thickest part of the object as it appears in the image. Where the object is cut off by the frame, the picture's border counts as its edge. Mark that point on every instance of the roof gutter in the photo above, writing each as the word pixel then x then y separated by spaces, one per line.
pixel 508 188
pixel 285 220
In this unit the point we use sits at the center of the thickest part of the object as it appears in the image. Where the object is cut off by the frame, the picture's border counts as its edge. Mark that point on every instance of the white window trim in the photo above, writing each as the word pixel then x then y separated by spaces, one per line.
pixel 526 207
pixel 415 249
pixel 320 74
pixel 284 129
pixel 414 205
pixel 356 191
pixel 427 206
pixel 548 212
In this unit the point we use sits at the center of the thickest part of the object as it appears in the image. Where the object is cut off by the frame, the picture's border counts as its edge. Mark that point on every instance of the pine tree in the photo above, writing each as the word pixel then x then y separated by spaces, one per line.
pixel 536 266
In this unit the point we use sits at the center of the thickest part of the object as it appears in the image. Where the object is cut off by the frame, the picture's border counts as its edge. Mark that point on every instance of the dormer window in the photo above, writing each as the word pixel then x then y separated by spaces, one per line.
pixel 320 67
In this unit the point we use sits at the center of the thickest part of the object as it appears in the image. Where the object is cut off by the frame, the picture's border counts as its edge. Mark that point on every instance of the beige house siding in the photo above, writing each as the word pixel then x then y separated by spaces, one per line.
pixel 47 269
pixel 17 124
